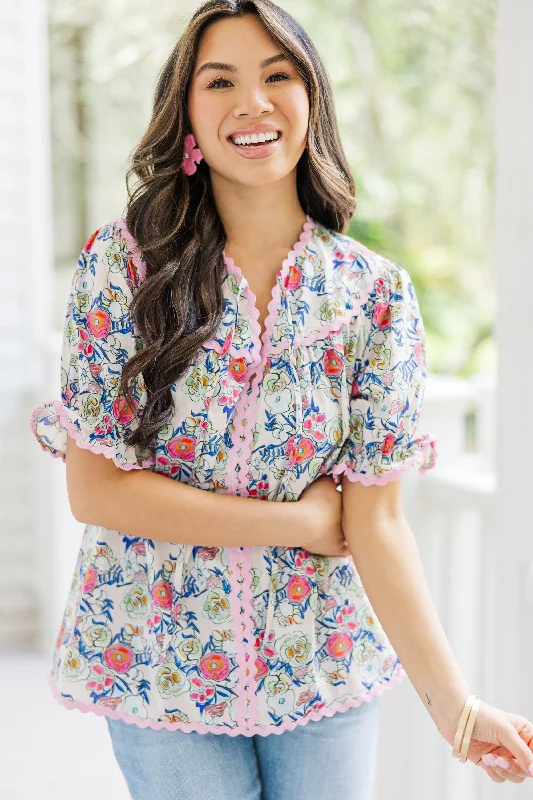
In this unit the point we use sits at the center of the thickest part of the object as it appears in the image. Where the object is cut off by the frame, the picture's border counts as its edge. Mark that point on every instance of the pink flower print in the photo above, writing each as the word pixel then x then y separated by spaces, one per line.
pixel 346 617
pixel 301 672
pixel 193 155
pixel 100 679
pixel 105 426
pixel 301 454
pixel 305 697
pixel 339 645
pixel 304 563
pixel 216 711
pixel 119 658
pixel 330 603
pixel 98 323
pixel 397 405
pixel 110 702
pixel 227 342
pixel 294 278
pixel 312 423
pixel 418 353
pixel 238 369
pixel 230 394
pixel 381 315
pixel 261 490
pixel 388 444
pixel 298 588
pixel 262 668
pixel 182 447
pixel 153 622
pixel 268 651
pixel 207 553
pixel 84 342
pixel 200 691
pixel 162 594
pixel 123 411
pixel 379 286
pixel 90 241
pixel 90 581
pixel 333 362
pixel 215 666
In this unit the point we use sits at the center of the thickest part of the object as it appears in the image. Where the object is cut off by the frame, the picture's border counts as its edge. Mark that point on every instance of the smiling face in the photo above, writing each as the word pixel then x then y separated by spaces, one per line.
pixel 248 105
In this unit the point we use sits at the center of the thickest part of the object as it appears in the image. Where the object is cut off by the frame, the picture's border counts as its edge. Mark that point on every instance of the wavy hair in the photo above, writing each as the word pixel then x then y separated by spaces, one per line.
pixel 174 220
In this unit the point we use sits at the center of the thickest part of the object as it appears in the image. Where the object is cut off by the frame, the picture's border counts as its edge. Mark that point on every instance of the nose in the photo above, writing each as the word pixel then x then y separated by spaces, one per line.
pixel 253 102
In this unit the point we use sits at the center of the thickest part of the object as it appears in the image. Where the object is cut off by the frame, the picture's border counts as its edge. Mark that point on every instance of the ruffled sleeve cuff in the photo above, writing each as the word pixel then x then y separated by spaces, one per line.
pixel 52 420
pixel 420 454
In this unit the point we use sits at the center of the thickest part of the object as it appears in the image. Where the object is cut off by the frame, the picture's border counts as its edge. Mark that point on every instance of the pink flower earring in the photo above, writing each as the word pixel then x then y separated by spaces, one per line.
pixel 193 155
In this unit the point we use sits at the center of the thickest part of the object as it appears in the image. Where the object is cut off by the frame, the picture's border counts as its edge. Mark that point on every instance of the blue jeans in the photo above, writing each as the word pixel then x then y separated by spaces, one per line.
pixel 331 757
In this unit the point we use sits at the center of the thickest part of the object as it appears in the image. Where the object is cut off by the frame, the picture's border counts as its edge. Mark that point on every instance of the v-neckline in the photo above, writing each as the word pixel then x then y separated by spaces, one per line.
pixel 260 338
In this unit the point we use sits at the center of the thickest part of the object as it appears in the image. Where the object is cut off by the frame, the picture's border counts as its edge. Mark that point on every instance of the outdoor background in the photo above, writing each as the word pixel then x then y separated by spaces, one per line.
pixel 417 101
pixel 413 83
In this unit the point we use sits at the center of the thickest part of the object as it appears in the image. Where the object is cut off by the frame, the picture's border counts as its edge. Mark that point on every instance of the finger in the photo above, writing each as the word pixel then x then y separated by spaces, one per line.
pixel 506 774
pixel 505 767
pixel 491 773
pixel 510 738
pixel 516 769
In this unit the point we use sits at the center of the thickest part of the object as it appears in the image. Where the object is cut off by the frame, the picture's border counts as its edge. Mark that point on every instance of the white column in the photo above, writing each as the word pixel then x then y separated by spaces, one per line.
pixel 510 645
pixel 25 313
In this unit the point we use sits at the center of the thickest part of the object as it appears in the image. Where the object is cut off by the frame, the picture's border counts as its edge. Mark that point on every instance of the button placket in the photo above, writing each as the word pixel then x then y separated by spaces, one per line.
pixel 242 611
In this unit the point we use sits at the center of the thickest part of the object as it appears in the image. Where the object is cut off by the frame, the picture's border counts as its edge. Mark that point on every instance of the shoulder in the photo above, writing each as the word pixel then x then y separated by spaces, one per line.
pixel 111 253
pixel 366 277
pixel 353 257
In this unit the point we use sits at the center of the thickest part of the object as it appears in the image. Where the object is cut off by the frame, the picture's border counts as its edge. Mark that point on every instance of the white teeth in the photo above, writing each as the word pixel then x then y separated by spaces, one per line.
pixel 255 138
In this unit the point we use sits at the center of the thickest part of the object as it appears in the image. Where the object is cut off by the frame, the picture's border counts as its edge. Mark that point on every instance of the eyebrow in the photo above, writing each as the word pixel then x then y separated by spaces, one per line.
pixel 232 68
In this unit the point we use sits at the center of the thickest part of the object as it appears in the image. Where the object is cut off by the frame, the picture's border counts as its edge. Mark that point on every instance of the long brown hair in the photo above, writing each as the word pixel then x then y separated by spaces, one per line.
pixel 174 219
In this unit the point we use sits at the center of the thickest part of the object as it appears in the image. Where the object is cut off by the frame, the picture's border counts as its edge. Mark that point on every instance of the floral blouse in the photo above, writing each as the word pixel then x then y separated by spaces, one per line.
pixel 238 640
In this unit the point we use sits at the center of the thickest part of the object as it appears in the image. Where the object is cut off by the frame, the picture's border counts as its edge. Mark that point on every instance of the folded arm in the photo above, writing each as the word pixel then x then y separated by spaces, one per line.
pixel 140 502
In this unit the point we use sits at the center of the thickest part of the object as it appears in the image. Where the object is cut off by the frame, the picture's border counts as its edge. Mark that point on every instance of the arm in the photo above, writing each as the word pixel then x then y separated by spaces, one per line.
pixel 387 558
pixel 142 503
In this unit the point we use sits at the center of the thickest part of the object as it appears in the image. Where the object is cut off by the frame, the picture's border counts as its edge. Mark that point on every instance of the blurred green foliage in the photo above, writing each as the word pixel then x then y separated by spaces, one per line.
pixel 414 88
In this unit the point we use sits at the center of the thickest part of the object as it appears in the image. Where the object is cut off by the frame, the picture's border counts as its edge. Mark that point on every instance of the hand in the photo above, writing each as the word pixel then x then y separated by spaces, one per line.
pixel 322 509
pixel 500 734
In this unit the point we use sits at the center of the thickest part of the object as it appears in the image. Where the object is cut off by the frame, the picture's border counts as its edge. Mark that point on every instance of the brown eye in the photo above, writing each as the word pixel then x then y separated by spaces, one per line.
pixel 282 75
pixel 216 81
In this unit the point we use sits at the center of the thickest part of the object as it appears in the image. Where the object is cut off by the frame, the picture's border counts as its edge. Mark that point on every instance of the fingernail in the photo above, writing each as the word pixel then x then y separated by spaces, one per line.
pixel 502 762
pixel 489 759
pixel 530 768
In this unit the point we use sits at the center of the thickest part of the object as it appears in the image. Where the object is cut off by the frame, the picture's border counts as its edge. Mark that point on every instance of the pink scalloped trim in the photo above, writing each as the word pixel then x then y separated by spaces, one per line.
pixel 260 344
pixel 267 348
pixel 250 298
pixel 246 654
pixel 96 447
pixel 415 460
pixel 136 255
pixel 328 711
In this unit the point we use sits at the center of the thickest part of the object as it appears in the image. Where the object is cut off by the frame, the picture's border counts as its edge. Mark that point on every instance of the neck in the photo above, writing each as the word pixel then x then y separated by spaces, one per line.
pixel 258 218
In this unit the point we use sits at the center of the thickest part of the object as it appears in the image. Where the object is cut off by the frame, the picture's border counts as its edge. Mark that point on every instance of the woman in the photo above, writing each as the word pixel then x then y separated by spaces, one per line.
pixel 200 346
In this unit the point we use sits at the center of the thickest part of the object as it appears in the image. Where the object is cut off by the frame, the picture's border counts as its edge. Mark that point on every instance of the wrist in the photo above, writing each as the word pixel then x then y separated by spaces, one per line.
pixel 286 522
pixel 447 718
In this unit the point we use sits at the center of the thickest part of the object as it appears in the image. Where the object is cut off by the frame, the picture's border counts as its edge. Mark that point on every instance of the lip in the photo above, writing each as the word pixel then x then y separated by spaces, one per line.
pixel 261 127
pixel 259 150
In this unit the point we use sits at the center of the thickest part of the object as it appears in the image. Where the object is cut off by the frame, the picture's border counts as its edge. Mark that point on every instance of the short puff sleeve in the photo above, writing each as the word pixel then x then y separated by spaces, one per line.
pixel 98 339
pixel 388 385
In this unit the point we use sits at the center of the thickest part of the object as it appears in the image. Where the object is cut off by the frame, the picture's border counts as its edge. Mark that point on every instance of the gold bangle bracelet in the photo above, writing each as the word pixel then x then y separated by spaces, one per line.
pixel 462 725
pixel 469 728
